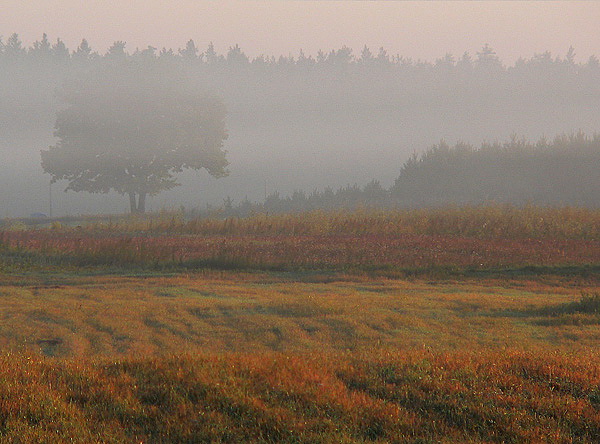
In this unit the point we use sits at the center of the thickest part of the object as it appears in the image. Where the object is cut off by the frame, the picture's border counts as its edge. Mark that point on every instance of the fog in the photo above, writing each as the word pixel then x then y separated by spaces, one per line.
pixel 295 122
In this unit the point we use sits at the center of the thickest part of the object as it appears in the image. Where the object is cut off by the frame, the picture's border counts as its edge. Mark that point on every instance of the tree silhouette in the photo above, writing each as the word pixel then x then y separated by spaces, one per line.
pixel 41 49
pixel 517 172
pixel 13 47
pixel 83 55
pixel 190 53
pixel 125 130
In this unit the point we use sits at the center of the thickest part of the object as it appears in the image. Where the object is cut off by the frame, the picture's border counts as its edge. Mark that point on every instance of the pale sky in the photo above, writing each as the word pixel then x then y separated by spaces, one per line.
pixel 425 29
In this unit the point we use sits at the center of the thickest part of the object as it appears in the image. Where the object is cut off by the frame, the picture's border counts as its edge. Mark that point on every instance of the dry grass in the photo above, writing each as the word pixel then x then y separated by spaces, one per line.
pixel 393 243
pixel 326 351
pixel 121 316
pixel 485 222
pixel 399 396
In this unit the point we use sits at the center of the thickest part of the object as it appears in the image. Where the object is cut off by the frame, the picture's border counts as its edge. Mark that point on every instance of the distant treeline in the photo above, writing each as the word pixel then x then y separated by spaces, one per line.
pixel 448 76
pixel 44 52
pixel 564 171
pixel 371 195
pixel 561 172
pixel 303 121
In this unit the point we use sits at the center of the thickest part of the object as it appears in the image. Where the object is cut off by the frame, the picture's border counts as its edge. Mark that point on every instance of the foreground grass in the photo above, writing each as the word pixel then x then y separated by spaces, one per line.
pixel 269 397
pixel 246 357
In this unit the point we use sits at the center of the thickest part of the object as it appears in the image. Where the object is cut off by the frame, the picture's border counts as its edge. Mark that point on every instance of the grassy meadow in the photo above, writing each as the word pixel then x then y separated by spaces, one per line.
pixel 451 325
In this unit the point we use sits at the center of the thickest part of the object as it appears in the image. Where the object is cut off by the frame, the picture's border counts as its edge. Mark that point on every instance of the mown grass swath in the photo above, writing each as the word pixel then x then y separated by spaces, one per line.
pixel 94 316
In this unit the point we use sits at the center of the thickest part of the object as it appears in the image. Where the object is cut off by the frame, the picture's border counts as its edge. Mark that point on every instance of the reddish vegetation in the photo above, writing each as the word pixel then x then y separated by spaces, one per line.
pixel 493 237
pixel 291 251
pixel 386 397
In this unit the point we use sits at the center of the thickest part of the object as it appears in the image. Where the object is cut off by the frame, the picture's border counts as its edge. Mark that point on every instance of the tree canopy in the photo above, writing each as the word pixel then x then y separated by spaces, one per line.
pixel 125 129
pixel 563 171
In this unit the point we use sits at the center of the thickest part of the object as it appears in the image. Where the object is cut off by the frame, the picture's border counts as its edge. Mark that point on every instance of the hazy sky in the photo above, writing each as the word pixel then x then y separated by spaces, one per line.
pixel 422 29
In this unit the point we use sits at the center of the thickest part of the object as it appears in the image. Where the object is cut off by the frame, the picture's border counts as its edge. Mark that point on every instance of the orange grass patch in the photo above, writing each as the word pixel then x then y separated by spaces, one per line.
pixel 392 396
pixel 227 311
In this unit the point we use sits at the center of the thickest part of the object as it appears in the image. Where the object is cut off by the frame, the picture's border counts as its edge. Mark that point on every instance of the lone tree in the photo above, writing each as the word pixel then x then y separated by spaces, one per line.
pixel 129 126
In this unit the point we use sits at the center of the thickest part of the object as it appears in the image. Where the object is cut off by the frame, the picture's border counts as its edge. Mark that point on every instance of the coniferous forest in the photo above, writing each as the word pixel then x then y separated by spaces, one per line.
pixel 335 120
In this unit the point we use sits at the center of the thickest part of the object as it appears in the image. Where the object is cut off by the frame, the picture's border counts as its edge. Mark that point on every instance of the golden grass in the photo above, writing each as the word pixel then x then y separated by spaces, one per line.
pixel 234 312
pixel 494 221
pixel 392 396
pixel 234 357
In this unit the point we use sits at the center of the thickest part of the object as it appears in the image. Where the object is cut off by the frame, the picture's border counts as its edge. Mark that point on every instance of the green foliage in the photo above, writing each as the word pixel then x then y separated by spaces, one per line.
pixel 587 304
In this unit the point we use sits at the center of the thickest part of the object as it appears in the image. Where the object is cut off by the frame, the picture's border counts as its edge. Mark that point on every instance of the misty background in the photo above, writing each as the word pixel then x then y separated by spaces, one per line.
pixel 298 122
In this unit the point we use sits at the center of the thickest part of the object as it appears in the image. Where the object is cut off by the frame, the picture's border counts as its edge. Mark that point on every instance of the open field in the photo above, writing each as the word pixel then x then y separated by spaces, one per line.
pixel 117 316
pixel 316 357
pixel 414 334
pixel 398 243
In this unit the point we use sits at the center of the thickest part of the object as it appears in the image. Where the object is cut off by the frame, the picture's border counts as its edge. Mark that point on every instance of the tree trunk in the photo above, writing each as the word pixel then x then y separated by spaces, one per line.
pixel 138 207
pixel 132 204
pixel 141 208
